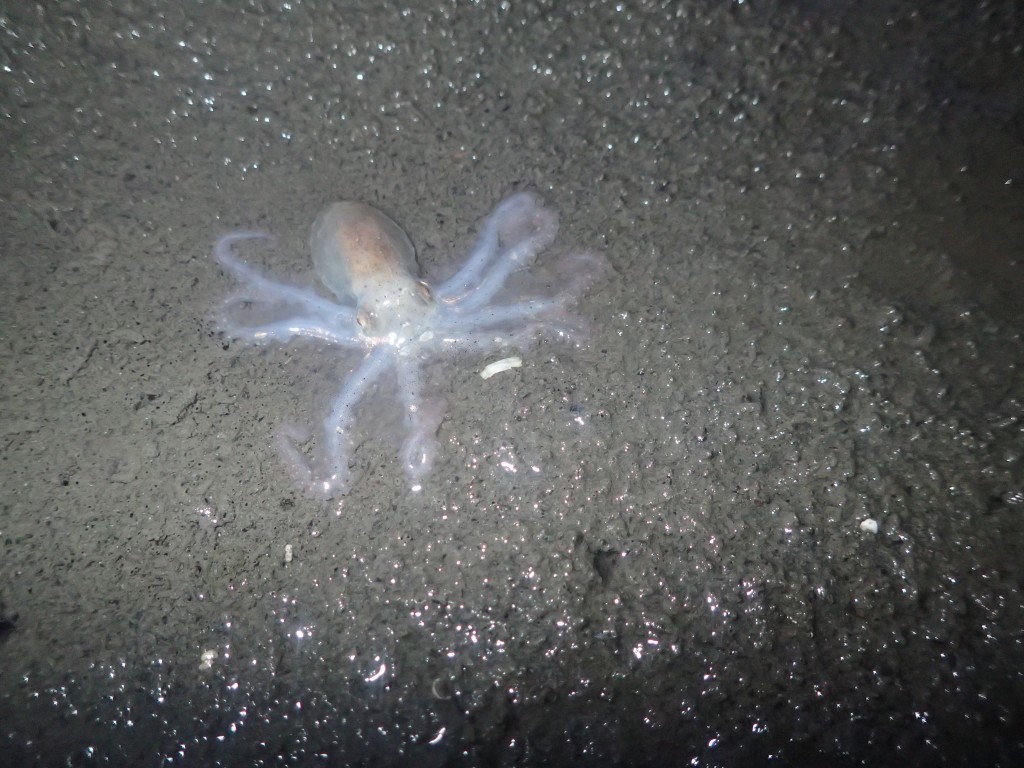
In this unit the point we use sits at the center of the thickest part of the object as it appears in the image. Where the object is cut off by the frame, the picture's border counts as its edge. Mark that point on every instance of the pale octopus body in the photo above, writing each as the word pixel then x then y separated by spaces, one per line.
pixel 383 307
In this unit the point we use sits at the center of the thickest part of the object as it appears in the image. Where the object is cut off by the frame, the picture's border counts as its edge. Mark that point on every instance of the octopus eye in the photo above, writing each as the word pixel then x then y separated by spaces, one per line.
pixel 364 319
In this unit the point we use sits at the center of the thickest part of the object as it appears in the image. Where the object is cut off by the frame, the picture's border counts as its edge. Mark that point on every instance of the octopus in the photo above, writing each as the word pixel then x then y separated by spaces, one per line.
pixel 384 311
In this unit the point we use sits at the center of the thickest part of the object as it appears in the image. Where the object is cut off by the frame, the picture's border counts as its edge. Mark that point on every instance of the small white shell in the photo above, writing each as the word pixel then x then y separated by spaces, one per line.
pixel 869 525
pixel 500 365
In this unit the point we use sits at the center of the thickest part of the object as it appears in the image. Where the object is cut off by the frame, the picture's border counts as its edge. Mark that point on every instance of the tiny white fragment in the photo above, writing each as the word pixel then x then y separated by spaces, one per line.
pixel 869 525
pixel 206 660
pixel 287 553
pixel 500 365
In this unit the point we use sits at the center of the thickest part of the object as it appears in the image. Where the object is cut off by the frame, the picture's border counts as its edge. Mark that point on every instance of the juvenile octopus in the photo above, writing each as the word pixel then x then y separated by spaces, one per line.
pixel 383 308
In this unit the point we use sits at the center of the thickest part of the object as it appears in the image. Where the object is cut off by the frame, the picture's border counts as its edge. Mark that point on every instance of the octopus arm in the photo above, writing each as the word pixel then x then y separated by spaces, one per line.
pixel 521 338
pixel 578 272
pixel 517 230
pixel 257 287
pixel 283 330
pixel 505 315
pixel 332 476
pixel 422 419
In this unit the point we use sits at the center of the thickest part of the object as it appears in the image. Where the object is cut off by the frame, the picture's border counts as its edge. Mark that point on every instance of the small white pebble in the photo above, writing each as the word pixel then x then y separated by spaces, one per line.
pixel 869 525
pixel 206 660
pixel 287 553
pixel 500 365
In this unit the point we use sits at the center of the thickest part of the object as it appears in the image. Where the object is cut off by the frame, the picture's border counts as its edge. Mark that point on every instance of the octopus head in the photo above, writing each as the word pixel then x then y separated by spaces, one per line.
pixel 397 313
